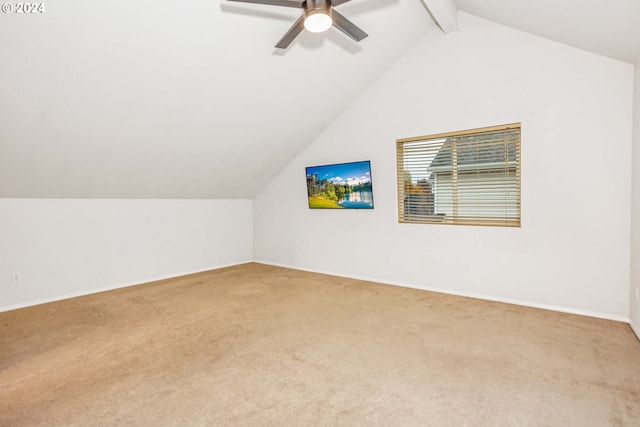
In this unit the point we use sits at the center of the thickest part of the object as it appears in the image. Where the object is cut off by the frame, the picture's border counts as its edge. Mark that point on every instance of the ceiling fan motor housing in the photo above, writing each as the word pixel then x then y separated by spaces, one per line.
pixel 317 15
pixel 313 6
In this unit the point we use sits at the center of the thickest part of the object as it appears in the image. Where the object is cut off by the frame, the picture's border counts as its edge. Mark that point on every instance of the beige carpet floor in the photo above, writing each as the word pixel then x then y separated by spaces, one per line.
pixel 256 345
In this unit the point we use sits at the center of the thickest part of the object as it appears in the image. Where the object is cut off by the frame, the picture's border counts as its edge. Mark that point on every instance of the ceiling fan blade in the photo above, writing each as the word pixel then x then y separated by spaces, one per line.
pixel 338 2
pixel 347 27
pixel 284 3
pixel 290 35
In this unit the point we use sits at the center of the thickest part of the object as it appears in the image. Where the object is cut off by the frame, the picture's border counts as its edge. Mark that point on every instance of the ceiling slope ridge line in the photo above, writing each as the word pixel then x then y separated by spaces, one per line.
pixel 444 13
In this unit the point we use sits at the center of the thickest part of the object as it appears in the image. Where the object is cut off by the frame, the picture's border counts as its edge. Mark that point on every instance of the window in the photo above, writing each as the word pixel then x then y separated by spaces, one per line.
pixel 469 178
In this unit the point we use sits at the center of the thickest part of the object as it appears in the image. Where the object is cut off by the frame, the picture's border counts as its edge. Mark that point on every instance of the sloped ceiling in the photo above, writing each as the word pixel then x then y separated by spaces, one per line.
pixel 610 28
pixel 177 98
pixel 189 99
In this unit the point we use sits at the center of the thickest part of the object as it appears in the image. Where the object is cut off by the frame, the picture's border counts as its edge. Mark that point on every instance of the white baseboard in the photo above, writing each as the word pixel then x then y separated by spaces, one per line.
pixel 111 288
pixel 635 328
pixel 561 309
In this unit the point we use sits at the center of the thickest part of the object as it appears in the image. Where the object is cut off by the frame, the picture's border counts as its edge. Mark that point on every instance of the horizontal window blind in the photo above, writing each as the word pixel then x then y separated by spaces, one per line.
pixel 469 177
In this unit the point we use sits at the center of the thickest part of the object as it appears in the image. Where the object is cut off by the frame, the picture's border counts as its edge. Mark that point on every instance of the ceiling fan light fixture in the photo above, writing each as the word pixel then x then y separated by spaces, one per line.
pixel 317 21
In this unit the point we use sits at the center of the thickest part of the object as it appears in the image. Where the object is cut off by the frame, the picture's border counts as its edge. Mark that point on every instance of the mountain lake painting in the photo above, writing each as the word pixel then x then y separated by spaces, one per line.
pixel 340 186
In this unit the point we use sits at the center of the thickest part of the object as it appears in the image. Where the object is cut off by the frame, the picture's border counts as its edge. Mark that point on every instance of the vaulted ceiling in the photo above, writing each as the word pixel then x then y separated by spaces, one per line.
pixel 189 99
pixel 610 28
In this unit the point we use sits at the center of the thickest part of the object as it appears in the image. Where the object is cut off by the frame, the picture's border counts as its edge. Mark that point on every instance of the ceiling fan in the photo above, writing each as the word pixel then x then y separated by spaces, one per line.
pixel 317 16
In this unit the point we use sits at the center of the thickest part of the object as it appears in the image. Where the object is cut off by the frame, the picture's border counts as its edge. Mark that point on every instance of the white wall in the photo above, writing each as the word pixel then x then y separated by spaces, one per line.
pixel 68 247
pixel 635 212
pixel 572 251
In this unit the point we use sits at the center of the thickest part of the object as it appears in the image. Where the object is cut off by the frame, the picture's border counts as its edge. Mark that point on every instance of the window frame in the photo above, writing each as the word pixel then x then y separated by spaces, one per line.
pixel 506 220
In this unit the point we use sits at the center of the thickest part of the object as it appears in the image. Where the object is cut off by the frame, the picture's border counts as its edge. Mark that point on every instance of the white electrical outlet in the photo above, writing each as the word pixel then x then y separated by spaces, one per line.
pixel 16 277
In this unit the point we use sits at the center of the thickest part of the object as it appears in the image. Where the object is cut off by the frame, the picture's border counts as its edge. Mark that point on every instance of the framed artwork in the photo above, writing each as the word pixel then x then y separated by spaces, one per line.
pixel 340 186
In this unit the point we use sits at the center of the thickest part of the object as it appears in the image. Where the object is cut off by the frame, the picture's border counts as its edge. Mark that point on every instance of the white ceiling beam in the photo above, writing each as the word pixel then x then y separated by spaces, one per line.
pixel 445 13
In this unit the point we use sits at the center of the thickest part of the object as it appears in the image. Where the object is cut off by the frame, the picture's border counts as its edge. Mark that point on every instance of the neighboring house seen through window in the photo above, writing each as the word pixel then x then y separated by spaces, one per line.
pixel 469 178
